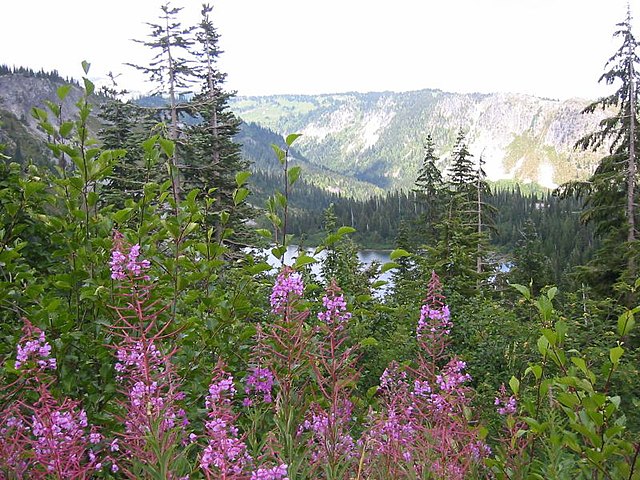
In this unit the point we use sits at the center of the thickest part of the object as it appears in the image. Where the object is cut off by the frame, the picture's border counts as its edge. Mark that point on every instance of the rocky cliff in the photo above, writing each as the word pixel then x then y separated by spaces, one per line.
pixel 378 137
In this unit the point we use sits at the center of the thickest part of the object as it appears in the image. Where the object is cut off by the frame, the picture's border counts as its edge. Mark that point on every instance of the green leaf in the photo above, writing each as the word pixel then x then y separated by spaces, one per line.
pixel 63 91
pixel 567 399
pixel 85 67
pixel 168 147
pixel 303 260
pixel 242 177
pixel 279 252
pixel 388 266
pixel 551 293
pixel 65 129
pixel 279 153
pixel 524 291
pixel 292 137
pixel 536 370
pixel 514 383
pixel 543 345
pixel 89 86
pixel 626 322
pixel 294 174
pixel 281 199
pixel 615 353
pixel 239 195
pixel 263 232
pixel 398 253
pixel 561 329
pixel 372 391
pixel 345 230
pixel 369 342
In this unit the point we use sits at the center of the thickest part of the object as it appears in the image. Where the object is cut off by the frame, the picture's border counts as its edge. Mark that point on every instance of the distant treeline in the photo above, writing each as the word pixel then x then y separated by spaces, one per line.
pixel 563 238
pixel 28 72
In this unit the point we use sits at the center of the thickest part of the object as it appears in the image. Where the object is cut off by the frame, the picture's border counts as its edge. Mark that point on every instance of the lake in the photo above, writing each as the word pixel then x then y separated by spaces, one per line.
pixel 366 258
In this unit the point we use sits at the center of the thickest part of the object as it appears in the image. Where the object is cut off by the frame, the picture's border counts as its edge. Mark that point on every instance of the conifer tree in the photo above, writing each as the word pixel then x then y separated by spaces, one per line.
pixel 212 156
pixel 429 189
pixel 171 71
pixel 125 125
pixel 611 193
pixel 462 231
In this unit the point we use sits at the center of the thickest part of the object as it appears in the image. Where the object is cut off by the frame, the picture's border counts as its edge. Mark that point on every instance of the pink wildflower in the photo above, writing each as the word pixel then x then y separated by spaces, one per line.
pixel 37 350
pixel 259 381
pixel 275 473
pixel 506 405
pixel 288 286
pixel 125 263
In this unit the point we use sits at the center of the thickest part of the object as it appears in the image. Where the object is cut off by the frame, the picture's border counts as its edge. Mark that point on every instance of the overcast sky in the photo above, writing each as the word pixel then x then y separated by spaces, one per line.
pixel 550 48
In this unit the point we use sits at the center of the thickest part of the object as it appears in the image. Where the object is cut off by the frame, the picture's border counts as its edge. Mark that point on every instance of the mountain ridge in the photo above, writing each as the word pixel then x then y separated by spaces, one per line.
pixel 378 136
pixel 374 138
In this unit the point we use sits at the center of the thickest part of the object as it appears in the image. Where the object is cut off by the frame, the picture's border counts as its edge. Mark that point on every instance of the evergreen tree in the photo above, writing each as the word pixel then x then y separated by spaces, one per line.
pixel 530 266
pixel 611 193
pixel 462 172
pixel 125 125
pixel 171 70
pixel 212 156
pixel 429 189
pixel 462 236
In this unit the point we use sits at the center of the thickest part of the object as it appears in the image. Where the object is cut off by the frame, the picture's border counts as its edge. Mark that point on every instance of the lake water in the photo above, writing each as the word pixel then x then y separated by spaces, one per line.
pixel 366 258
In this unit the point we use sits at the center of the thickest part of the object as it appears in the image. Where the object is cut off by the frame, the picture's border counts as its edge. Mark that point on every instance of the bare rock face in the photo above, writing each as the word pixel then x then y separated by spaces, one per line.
pixel 378 137
pixel 19 94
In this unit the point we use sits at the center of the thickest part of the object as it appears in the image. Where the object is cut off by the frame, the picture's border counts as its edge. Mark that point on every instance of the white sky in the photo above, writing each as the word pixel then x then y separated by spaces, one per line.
pixel 550 48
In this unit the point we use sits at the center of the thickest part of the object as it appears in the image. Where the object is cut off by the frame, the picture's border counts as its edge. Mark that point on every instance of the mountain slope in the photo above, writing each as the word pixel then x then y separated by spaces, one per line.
pixel 378 137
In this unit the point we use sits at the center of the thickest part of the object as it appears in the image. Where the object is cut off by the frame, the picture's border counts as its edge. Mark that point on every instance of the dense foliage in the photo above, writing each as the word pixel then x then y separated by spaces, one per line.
pixel 142 339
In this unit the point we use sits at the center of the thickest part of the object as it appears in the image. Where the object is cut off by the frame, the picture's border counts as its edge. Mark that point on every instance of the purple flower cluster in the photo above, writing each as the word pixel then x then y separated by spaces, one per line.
pixel 225 455
pixel 392 378
pixel 288 284
pixel 393 429
pixel 220 391
pixel 258 382
pixel 451 376
pixel 421 426
pixel 37 349
pixel 61 437
pixel 275 473
pixel 126 263
pixel 329 432
pixel 152 399
pixel 507 405
pixel 434 322
pixel 336 314
pixel 134 355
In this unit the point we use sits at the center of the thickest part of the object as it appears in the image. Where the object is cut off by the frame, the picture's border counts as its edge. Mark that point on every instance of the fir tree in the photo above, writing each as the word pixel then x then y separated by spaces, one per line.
pixel 610 194
pixel 213 156
pixel 171 70
pixel 429 189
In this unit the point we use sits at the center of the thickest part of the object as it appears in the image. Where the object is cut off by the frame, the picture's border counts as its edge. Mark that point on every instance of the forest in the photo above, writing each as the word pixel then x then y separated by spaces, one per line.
pixel 143 337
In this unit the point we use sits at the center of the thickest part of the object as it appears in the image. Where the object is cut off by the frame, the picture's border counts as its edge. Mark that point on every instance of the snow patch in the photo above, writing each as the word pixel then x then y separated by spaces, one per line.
pixel 545 175
pixel 373 126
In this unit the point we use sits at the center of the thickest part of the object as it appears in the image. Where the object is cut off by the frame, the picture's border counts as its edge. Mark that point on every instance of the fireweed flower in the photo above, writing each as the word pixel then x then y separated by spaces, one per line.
pixel 258 382
pixel 392 430
pixel 124 263
pixel 275 473
pixel 329 432
pixel 506 405
pixel 225 455
pixel 36 350
pixel 434 322
pixel 288 286
pixel 336 314
pixel 61 437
